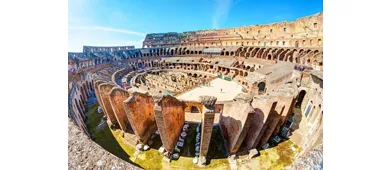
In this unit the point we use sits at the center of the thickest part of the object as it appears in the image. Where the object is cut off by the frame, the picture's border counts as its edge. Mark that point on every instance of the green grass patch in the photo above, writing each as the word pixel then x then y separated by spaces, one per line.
pixel 279 156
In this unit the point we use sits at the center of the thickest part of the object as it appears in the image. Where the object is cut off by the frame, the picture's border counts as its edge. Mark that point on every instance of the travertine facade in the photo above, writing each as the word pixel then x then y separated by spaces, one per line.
pixel 304 32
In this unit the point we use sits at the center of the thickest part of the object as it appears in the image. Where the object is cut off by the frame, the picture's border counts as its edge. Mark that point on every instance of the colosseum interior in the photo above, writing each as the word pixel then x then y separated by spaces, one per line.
pixel 203 99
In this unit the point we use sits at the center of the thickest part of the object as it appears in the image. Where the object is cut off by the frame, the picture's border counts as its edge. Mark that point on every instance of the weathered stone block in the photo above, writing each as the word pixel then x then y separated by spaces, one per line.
pixel 272 122
pixel 169 114
pixel 140 114
pixel 104 90
pixel 253 153
pixel 117 96
pixel 235 121
pixel 97 94
pixel 263 106
pixel 208 103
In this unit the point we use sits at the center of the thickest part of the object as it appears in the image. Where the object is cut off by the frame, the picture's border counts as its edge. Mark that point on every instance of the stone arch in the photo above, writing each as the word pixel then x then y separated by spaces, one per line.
pixel 180 51
pixel 269 57
pixel 283 55
pixel 290 59
pixel 195 109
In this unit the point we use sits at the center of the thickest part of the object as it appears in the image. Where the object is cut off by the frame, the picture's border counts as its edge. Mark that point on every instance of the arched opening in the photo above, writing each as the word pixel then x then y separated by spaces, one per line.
pixel 232 53
pixel 261 87
pixel 290 59
pixel 269 57
pixel 194 109
pixel 195 75
pixel 296 44
pixel 301 95
pixel 172 52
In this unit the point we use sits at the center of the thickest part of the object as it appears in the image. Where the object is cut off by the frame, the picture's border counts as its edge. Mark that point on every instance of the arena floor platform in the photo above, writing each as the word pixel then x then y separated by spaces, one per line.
pixel 229 90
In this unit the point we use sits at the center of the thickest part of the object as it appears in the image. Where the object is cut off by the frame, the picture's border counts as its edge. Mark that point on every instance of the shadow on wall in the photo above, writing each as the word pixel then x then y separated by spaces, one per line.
pixel 297 119
pixel 105 138
pixel 217 146
pixel 231 129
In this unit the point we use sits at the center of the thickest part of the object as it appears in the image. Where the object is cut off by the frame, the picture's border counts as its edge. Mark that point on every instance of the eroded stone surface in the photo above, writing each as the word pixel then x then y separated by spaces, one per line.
pixel 140 113
pixel 117 96
pixel 235 122
pixel 169 114
pixel 83 153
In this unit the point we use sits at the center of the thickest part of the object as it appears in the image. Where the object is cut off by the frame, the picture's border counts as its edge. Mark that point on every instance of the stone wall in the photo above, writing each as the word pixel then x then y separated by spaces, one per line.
pixel 104 90
pixel 140 113
pixel 83 153
pixel 117 96
pixel 208 114
pixel 169 113
pixel 303 32
pixel 272 121
pixel 263 107
pixel 235 121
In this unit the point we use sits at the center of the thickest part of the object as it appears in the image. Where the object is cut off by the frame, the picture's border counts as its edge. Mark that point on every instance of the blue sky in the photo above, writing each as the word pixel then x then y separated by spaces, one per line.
pixel 126 22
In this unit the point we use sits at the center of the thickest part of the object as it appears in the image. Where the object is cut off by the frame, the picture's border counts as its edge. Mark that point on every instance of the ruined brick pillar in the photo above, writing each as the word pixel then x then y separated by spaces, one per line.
pixel 117 96
pixel 235 121
pixel 97 94
pixel 288 103
pixel 272 122
pixel 169 114
pixel 85 90
pixel 208 103
pixel 263 106
pixel 140 114
pixel 104 90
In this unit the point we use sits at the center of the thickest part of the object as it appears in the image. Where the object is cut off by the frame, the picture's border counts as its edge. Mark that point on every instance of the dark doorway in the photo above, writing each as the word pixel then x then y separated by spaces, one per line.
pixel 194 109
pixel 261 87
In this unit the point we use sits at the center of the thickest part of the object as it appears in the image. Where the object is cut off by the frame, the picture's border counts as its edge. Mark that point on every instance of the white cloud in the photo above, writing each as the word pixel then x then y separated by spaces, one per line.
pixel 137 44
pixel 222 8
pixel 108 29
